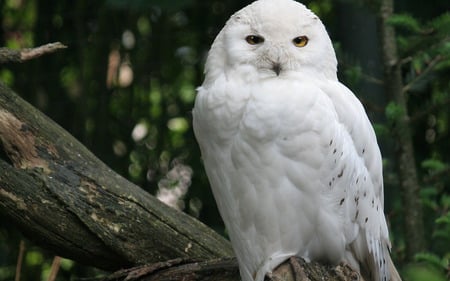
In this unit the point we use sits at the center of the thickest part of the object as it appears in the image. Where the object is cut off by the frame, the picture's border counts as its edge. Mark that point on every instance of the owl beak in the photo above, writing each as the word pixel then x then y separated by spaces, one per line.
pixel 276 67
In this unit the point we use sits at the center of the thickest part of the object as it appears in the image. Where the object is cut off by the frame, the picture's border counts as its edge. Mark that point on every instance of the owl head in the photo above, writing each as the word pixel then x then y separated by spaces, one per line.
pixel 272 38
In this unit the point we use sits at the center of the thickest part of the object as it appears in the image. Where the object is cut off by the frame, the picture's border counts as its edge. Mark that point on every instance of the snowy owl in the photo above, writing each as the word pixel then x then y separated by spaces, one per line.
pixel 289 151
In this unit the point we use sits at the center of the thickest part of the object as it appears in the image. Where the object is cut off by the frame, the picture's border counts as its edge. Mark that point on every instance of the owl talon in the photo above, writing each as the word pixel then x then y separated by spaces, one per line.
pixel 344 271
pixel 272 277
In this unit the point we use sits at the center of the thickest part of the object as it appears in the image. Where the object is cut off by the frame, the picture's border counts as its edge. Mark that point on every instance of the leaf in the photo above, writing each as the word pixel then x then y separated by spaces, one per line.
pixel 444 219
pixel 431 259
pixel 441 24
pixel 423 272
pixel 428 195
pixel 406 22
pixel 381 130
pixel 442 230
pixel 353 74
pixel 393 111
pixel 434 165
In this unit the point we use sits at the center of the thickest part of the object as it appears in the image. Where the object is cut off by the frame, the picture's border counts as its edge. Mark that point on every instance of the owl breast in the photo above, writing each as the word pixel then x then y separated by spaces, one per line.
pixel 278 162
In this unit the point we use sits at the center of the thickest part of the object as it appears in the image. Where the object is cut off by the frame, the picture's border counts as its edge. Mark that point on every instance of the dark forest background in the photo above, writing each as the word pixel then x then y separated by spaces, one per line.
pixel 125 88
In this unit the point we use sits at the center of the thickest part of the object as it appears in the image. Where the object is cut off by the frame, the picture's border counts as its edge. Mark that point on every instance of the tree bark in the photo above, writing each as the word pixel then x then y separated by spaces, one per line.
pixel 65 199
pixel 61 195
pixel 410 187
pixel 294 269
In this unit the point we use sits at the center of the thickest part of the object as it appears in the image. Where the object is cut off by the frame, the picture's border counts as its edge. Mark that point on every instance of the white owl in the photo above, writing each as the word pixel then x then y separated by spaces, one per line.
pixel 291 156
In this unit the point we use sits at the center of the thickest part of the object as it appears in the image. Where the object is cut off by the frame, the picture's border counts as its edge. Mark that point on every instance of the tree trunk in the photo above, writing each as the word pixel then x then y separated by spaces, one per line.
pixel 65 199
pixel 412 206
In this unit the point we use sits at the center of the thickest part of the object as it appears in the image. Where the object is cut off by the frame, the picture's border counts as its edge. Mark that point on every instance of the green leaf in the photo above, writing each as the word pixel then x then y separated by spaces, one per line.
pixel 434 165
pixel 406 22
pixel 353 74
pixel 393 111
pixel 430 259
pixel 444 219
pixel 423 272
pixel 441 24
pixel 381 130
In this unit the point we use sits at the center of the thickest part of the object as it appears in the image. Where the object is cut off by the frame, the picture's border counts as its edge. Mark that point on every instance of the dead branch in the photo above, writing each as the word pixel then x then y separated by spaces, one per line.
pixel 10 55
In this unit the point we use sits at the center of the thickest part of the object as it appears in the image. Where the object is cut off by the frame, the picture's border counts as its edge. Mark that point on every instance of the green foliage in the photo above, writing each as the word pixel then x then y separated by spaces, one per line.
pixel 424 51
pixel 381 130
pixel 434 165
pixel 393 111
pixel 7 77
pixel 19 16
pixel 441 25
pixel 428 266
pixel 443 225
pixel 321 8
pixel 433 260
pixel 353 74
pixel 423 272
pixel 405 21
pixel 424 46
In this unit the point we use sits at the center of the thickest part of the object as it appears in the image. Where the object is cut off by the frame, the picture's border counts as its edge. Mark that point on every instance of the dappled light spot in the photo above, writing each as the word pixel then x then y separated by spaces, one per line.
pixel 139 132
pixel 175 184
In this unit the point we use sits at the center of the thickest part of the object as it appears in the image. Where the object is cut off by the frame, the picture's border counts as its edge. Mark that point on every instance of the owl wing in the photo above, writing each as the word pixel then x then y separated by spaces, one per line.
pixel 333 129
pixel 371 245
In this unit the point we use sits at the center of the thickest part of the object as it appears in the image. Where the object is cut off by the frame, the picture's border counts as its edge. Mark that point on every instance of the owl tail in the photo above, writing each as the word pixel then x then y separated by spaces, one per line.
pixel 393 271
pixel 378 265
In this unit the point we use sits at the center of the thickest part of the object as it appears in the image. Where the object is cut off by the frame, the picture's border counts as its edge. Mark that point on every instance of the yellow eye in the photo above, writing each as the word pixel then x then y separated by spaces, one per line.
pixel 254 39
pixel 300 41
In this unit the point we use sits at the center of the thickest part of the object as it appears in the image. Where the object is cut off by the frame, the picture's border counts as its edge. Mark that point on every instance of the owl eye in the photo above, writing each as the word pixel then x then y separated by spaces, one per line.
pixel 254 39
pixel 300 41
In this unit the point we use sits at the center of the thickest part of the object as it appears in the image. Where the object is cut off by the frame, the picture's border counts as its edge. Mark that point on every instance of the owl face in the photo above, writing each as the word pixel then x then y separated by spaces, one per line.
pixel 283 39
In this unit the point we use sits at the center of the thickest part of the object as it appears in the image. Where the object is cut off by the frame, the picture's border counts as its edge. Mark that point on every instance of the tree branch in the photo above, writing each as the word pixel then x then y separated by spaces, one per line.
pixel 9 55
pixel 226 270
pixel 70 202
pixel 425 72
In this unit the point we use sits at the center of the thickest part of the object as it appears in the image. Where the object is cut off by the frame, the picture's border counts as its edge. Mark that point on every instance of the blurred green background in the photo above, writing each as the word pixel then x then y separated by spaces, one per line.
pixel 126 84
